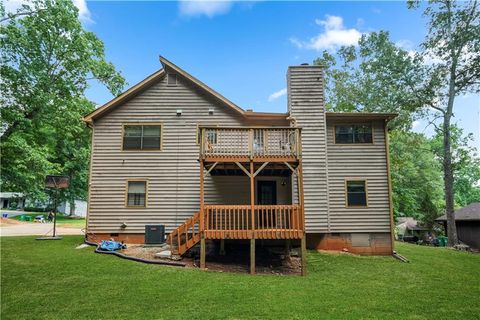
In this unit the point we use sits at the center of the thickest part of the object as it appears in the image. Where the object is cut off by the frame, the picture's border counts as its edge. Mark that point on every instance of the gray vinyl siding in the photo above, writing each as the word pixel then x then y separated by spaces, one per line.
pixel 236 190
pixel 306 106
pixel 172 173
pixel 362 161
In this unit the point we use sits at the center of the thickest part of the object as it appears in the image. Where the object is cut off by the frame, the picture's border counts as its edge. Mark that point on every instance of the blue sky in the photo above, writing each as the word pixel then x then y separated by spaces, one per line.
pixel 243 49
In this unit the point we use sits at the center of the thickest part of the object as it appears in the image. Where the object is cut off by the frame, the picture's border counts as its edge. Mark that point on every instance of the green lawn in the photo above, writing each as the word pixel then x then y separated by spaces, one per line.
pixel 62 221
pixel 52 280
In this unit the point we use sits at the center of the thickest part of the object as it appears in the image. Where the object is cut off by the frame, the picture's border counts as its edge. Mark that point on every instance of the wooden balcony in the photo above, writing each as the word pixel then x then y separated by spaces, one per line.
pixel 266 222
pixel 245 144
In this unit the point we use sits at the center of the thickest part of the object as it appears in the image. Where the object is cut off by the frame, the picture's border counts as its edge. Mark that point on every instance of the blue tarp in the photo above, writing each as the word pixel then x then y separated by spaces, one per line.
pixel 111 245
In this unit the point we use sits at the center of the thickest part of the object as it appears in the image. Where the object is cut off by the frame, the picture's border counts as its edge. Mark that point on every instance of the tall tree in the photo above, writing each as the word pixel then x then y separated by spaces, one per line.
pixel 465 164
pixel 453 43
pixel 416 177
pixel 47 62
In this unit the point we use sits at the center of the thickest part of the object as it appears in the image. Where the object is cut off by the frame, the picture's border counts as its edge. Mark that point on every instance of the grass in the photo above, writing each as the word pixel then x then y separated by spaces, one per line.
pixel 62 221
pixel 53 280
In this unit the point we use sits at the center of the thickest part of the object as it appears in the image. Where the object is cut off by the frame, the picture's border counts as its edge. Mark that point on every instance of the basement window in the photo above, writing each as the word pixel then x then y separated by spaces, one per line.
pixel 356 193
pixel 353 134
pixel 142 137
pixel 136 193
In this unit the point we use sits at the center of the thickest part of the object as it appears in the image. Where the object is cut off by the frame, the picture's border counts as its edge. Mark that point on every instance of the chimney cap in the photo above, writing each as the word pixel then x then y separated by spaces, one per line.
pixel 304 64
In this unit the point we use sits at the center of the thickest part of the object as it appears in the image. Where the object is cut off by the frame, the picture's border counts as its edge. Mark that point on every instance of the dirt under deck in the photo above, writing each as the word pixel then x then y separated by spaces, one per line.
pixel 268 259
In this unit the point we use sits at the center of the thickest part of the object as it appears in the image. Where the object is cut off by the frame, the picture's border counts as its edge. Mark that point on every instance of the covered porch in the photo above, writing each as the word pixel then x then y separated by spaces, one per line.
pixel 254 189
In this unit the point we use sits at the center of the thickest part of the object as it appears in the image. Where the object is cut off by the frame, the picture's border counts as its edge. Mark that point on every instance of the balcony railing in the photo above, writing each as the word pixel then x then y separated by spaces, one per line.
pixel 266 222
pixel 250 142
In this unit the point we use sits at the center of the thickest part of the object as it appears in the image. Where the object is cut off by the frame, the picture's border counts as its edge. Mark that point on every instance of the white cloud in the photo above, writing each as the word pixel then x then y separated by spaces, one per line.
pixel 208 8
pixel 415 124
pixel 84 14
pixel 277 94
pixel 335 35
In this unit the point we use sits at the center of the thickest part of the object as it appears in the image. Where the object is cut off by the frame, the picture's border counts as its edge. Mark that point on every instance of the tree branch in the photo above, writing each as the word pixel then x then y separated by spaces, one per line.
pixel 20 14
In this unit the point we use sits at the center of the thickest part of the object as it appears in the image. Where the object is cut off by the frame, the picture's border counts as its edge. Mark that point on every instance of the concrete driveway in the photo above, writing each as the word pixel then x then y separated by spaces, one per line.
pixel 34 229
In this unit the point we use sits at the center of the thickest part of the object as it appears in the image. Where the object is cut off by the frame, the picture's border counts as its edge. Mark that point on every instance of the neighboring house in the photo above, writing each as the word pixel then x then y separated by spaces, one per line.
pixel 170 149
pixel 409 227
pixel 467 220
pixel 12 200
pixel 80 209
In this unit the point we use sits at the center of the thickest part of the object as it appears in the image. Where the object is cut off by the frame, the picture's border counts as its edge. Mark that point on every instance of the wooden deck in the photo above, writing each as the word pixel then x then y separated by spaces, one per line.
pixel 245 144
pixel 251 150
pixel 266 222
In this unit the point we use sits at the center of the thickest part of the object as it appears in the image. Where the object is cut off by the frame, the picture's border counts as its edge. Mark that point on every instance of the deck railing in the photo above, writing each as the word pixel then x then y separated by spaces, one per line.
pixel 250 142
pixel 266 222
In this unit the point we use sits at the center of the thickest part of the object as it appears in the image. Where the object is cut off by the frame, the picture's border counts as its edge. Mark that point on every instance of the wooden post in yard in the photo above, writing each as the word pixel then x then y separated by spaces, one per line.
pixel 303 246
pixel 252 208
pixel 303 241
pixel 202 218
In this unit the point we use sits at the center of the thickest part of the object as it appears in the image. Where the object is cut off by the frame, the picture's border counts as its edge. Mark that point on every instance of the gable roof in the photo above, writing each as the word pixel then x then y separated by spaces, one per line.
pixel 153 78
pixel 470 212
pixel 124 97
pixel 200 84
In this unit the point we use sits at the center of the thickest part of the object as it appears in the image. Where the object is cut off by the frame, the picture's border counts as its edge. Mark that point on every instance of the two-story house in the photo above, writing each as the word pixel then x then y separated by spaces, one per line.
pixel 172 151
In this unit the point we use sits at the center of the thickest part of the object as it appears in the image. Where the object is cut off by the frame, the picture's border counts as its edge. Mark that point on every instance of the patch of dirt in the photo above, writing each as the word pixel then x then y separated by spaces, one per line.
pixel 139 251
pixel 6 221
pixel 268 260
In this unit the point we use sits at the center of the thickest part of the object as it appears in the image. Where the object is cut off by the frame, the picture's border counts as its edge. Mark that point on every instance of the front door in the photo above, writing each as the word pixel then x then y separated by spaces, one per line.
pixel 267 192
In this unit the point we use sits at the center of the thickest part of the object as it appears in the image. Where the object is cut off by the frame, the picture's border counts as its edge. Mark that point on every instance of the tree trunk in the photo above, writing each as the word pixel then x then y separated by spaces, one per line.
pixel 448 182
pixel 72 207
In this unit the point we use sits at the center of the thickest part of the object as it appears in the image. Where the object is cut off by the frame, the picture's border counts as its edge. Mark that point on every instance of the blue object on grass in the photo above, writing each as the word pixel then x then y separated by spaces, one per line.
pixel 108 245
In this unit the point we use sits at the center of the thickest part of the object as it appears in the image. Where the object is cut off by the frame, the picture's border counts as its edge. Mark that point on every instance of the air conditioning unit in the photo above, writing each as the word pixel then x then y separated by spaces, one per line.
pixel 154 234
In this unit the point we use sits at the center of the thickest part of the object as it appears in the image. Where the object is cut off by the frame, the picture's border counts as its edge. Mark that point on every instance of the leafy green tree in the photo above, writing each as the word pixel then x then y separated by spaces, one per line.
pixel 465 165
pixel 376 76
pixel 47 62
pixel 453 42
pixel 416 177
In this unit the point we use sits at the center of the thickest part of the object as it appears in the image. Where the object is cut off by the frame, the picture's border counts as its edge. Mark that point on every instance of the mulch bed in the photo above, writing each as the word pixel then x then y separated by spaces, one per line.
pixel 268 260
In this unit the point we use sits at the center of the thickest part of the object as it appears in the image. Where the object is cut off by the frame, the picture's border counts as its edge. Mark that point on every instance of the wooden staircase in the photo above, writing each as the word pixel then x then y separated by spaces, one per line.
pixel 185 236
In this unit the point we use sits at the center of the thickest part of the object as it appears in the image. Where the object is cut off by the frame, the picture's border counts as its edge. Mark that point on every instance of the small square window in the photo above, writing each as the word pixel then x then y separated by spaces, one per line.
pixel 136 193
pixel 356 193
pixel 172 79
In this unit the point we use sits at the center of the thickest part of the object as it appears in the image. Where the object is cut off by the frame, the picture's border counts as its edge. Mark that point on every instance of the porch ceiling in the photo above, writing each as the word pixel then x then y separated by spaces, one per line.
pixel 231 169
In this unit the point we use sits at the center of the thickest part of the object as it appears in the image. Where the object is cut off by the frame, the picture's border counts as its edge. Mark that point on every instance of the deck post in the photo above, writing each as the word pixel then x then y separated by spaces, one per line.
pixel 202 218
pixel 202 195
pixel 252 256
pixel 252 214
pixel 303 246
pixel 202 252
